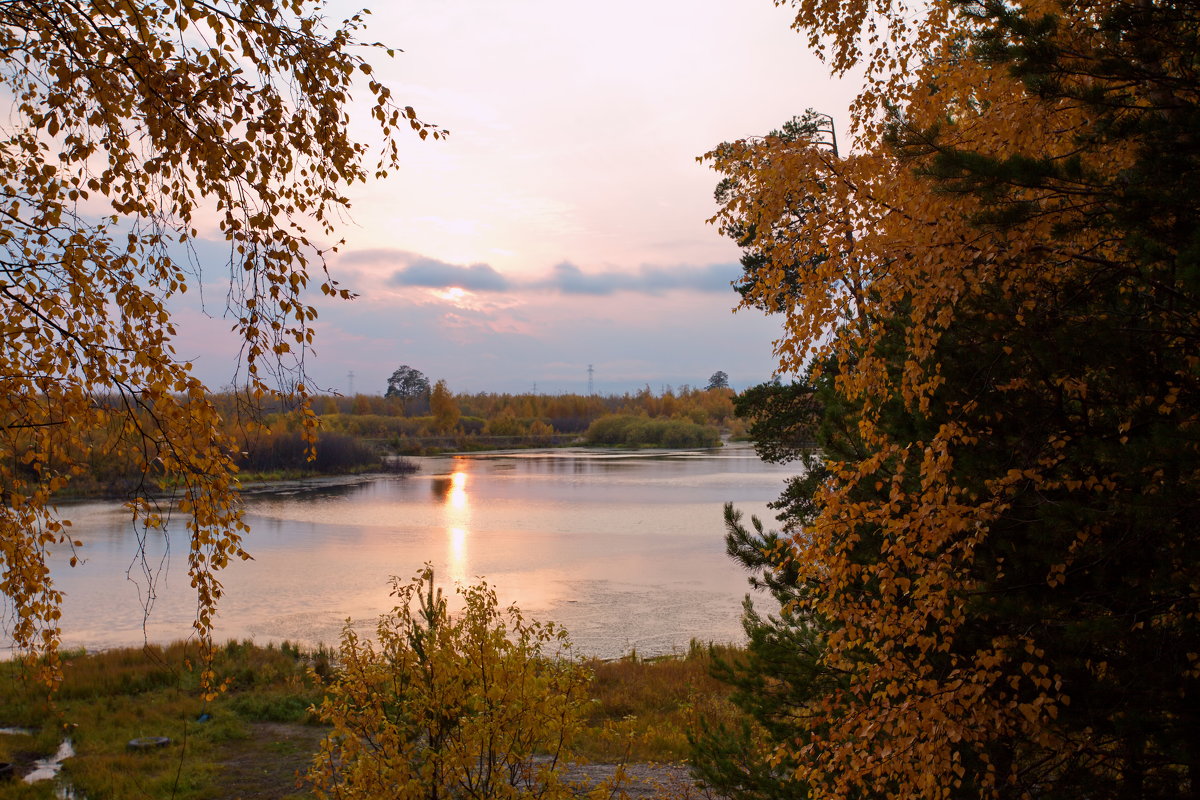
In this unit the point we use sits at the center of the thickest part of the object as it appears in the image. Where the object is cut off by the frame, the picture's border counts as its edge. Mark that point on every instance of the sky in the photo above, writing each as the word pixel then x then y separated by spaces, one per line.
pixel 563 223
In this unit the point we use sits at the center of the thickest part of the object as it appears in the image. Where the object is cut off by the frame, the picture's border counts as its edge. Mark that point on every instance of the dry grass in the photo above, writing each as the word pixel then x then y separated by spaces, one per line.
pixel 644 708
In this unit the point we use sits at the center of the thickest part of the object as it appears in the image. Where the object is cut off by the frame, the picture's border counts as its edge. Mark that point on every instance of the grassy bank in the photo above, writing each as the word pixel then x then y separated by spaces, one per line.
pixel 256 734
pixel 111 698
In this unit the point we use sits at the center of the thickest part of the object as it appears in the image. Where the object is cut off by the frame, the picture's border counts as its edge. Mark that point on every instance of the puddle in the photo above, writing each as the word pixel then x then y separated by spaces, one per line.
pixel 45 769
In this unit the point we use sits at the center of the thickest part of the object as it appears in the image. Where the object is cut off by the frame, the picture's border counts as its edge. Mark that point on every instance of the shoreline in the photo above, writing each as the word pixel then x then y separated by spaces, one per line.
pixel 294 482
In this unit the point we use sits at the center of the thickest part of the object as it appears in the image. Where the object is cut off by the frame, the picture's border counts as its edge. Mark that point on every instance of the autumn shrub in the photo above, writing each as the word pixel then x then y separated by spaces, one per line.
pixel 374 426
pixel 505 425
pixel 680 433
pixel 472 426
pixel 633 431
pixel 609 429
pixel 288 451
pixel 479 704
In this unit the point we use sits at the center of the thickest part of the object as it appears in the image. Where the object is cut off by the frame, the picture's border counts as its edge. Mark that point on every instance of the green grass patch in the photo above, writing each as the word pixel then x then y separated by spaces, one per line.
pixel 255 732
pixel 108 699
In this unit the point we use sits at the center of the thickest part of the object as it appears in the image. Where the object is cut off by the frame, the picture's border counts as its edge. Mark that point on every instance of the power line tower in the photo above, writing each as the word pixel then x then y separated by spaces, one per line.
pixel 590 390
pixel 350 381
pixel 826 128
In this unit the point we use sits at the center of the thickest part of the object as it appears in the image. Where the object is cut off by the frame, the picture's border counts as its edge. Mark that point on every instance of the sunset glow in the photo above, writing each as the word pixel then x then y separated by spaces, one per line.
pixel 563 222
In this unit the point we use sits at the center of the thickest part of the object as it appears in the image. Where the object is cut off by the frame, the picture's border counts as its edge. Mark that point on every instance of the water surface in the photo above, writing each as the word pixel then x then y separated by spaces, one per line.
pixel 623 548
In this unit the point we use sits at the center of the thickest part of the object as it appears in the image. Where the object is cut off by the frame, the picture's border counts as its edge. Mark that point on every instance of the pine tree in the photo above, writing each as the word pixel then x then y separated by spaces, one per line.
pixel 1003 565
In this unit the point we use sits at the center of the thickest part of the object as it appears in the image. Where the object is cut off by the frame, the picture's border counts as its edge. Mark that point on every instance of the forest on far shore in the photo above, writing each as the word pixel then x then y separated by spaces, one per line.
pixel 366 433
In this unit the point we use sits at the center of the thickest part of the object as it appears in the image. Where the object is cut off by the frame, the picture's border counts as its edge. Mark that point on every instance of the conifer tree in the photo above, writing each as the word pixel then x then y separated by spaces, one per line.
pixel 1005 570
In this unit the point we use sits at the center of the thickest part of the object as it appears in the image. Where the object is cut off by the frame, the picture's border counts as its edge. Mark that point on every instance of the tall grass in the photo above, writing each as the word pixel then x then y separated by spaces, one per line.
pixel 643 709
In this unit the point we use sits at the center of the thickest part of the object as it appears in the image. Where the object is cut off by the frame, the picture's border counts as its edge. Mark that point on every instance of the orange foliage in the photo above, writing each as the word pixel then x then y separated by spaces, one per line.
pixel 980 267
pixel 126 124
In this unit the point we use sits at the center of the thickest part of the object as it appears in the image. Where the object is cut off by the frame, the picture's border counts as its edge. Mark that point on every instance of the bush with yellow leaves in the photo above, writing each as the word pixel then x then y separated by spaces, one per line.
pixel 479 704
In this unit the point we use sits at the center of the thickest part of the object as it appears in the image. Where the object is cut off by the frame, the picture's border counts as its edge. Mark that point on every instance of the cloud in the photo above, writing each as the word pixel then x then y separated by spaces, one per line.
pixel 565 278
pixel 429 273
pixel 439 275
pixel 570 279
pixel 711 278
pixel 632 339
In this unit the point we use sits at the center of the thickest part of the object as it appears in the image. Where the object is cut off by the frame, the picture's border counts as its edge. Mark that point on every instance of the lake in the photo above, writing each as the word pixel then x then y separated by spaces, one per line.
pixel 624 548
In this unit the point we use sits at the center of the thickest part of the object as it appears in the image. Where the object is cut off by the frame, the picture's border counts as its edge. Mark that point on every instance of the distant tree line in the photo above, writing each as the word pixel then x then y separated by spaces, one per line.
pixel 364 432
pixel 482 419
pixel 412 415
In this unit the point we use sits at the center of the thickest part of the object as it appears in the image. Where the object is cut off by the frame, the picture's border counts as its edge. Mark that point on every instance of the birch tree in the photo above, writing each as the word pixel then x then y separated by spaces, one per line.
pixel 1001 281
pixel 133 131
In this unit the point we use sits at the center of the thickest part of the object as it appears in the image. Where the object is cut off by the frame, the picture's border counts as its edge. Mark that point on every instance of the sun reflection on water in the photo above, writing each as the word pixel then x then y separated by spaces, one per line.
pixel 456 498
pixel 457 514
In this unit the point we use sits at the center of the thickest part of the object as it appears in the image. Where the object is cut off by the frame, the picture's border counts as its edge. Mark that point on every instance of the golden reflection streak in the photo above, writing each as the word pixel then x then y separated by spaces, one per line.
pixel 456 498
pixel 457 512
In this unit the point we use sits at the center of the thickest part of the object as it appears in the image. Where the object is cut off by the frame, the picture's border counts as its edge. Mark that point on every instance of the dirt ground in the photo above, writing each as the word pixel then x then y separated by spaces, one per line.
pixel 642 781
pixel 267 766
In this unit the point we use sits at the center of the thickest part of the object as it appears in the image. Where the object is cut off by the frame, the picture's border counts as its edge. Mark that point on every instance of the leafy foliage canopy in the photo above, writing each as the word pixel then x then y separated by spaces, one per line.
pixel 1000 290
pixel 134 131
pixel 478 704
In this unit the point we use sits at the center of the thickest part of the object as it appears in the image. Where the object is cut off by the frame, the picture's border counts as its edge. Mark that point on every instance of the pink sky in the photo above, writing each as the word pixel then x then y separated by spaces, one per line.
pixel 567 206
